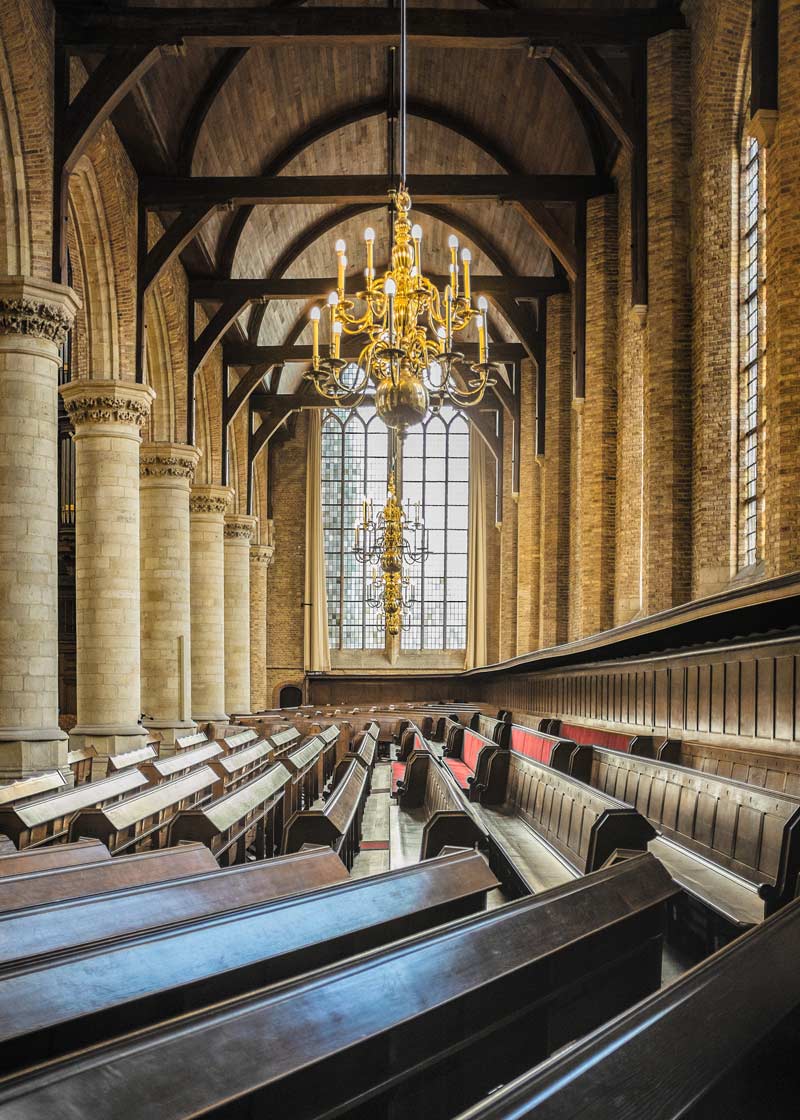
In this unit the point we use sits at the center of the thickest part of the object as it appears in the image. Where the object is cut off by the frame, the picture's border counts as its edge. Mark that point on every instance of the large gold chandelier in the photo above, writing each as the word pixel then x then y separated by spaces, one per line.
pixel 409 327
pixel 386 541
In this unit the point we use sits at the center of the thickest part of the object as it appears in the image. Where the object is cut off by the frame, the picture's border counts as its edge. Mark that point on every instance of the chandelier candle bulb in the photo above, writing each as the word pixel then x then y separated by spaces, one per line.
pixel 336 338
pixel 369 238
pixel 452 241
pixel 483 330
pixel 416 236
pixel 466 258
pixel 448 330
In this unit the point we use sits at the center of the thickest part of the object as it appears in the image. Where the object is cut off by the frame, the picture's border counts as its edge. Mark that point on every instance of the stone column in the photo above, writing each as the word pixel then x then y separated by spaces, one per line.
pixel 207 506
pixel 166 472
pixel 34 319
pixel 107 417
pixel 239 532
pixel 260 560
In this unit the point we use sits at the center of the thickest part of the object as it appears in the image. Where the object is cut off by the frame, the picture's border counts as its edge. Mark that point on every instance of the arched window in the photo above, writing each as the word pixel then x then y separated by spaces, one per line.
pixel 355 450
pixel 435 472
pixel 751 347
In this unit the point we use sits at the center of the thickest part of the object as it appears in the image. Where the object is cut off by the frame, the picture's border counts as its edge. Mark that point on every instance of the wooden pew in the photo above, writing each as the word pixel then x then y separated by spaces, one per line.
pixel 721 1041
pixel 470 767
pixel 432 813
pixel 238 740
pixel 734 848
pixel 143 821
pixel 241 766
pixel 84 995
pixel 552 750
pixel 119 762
pixel 189 742
pixel 17 793
pixel 46 859
pixel 249 814
pixel 364 750
pixel 36 933
pixel 779 772
pixel 338 824
pixel 411 741
pixel 284 739
pixel 392 1033
pixel 305 764
pixel 665 750
pixel 181 763
pixel 47 819
pixel 80 763
pixel 550 827
pixel 499 730
pixel 18 892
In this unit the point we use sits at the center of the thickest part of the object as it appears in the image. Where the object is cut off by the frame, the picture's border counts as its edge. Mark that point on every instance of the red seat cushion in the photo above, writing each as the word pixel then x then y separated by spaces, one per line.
pixel 590 736
pixel 471 749
pixel 459 770
pixel 398 774
pixel 531 744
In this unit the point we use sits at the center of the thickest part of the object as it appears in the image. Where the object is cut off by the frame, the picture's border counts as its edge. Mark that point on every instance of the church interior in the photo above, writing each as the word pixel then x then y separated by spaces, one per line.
pixel 399 552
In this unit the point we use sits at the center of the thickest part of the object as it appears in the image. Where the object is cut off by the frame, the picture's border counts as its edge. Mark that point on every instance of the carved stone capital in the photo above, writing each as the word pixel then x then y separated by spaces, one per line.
pixel 239 528
pixel 123 403
pixel 261 554
pixel 36 309
pixel 168 460
pixel 210 499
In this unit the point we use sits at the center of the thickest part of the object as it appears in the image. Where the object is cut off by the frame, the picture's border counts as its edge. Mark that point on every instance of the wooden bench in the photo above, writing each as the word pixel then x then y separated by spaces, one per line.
pixel 241 766
pixel 338 824
pixel 431 813
pixel 285 739
pixel 778 772
pixel 47 819
pixel 249 814
pixel 570 960
pixel 187 742
pixel 36 934
pixel 646 746
pixel 304 763
pixel 238 740
pixel 119 762
pixel 30 860
pixel 86 994
pixel 364 750
pixel 80 763
pixel 550 827
pixel 18 892
pixel 17 793
pixel 143 821
pixel 411 741
pixel 721 1041
pixel 470 767
pixel 181 763
pixel 734 848
pixel 496 729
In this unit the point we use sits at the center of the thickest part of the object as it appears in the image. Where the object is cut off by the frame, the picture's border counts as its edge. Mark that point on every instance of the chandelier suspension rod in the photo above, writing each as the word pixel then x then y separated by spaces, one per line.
pixel 403 86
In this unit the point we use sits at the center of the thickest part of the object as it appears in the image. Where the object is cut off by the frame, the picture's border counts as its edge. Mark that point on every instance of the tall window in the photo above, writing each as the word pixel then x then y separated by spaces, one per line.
pixel 355 450
pixel 435 472
pixel 751 282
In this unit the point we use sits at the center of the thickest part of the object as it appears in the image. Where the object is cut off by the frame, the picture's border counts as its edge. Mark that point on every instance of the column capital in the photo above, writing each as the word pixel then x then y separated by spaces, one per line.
pixel 172 461
pixel 261 554
pixel 210 499
pixel 105 402
pixel 37 309
pixel 238 527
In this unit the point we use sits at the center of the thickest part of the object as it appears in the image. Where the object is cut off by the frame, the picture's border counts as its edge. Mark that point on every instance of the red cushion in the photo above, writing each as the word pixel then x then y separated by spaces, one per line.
pixel 531 744
pixel 459 770
pixel 398 774
pixel 471 749
pixel 590 736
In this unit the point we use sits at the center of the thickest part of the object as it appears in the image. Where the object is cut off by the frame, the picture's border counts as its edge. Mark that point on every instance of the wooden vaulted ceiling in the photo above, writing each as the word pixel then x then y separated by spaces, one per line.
pixel 322 110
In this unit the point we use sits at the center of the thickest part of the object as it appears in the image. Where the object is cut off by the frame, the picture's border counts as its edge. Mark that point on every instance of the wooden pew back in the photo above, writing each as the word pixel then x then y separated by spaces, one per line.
pixel 777 772
pixel 80 763
pixel 752 832
pixel 17 793
pixel 181 763
pixel 498 730
pixel 118 762
pixel 338 824
pixel 431 789
pixel 30 860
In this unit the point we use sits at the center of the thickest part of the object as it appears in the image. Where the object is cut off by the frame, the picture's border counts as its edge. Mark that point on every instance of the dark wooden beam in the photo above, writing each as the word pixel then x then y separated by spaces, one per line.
pixel 764 58
pixel 168 193
pixel 283 288
pixel 591 76
pixel 90 27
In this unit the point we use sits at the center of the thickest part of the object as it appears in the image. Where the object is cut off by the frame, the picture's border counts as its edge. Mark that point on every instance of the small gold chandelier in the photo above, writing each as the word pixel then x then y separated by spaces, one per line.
pixel 409 326
pixel 386 541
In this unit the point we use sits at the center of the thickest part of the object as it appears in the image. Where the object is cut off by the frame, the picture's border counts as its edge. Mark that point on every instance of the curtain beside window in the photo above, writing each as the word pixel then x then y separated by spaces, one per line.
pixel 476 555
pixel 316 646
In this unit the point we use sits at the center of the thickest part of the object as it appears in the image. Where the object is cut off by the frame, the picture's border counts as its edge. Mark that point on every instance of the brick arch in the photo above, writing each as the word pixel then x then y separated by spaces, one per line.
pixel 291 683
pixel 26 149
pixel 166 349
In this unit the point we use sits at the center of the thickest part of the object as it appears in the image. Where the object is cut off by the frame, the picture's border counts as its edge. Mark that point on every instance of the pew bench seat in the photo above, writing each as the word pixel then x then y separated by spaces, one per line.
pixel 733 898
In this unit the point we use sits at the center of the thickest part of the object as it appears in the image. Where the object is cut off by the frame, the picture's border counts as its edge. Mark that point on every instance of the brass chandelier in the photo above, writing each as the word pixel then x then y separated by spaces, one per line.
pixel 387 541
pixel 409 354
